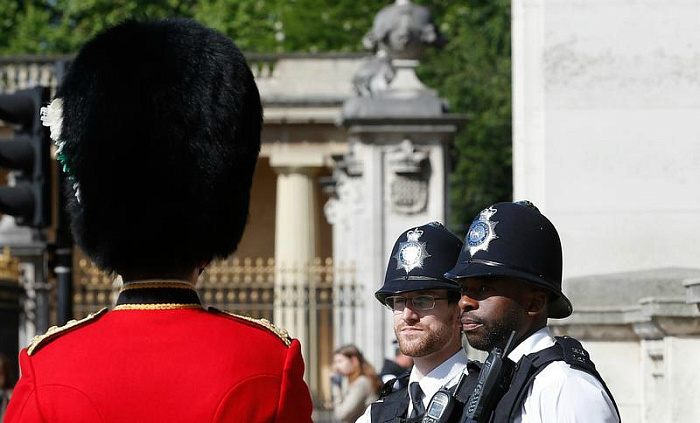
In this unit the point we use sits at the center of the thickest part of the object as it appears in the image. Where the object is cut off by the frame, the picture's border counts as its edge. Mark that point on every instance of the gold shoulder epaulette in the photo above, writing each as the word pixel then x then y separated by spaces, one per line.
pixel 281 333
pixel 54 331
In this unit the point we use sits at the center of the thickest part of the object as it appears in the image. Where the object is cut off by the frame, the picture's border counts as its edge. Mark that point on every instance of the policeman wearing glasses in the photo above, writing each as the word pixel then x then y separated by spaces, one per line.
pixel 426 315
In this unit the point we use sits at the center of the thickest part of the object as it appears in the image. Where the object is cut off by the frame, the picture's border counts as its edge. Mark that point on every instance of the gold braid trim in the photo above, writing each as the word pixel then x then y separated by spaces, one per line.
pixel 281 333
pixel 56 330
pixel 165 306
pixel 147 285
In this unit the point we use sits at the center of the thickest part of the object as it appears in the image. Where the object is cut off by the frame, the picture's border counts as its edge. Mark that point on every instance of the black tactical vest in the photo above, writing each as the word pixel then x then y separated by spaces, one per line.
pixel 392 405
pixel 567 349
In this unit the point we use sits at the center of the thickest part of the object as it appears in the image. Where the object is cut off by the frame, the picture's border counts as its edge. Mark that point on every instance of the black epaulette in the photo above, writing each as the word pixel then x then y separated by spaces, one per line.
pixel 574 354
pixel 470 381
pixel 388 387
pixel 279 332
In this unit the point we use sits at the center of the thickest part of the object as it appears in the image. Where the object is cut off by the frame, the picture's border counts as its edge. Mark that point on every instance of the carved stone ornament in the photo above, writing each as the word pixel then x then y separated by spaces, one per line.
pixel 374 76
pixel 347 199
pixel 403 30
pixel 406 159
pixel 400 33
pixel 408 181
pixel 408 195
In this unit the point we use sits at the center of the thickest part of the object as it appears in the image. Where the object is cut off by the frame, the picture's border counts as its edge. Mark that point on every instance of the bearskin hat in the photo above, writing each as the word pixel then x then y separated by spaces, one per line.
pixel 160 134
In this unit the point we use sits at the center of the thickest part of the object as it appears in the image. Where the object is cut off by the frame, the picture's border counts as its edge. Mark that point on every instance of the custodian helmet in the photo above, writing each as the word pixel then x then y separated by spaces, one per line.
pixel 515 240
pixel 419 260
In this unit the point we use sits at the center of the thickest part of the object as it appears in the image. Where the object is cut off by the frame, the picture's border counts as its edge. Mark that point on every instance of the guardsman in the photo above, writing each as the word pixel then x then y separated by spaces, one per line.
pixel 157 125
pixel 511 276
pixel 426 322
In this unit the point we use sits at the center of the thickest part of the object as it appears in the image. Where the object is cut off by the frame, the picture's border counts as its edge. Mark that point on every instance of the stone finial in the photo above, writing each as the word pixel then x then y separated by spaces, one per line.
pixel 403 31
pixel 399 36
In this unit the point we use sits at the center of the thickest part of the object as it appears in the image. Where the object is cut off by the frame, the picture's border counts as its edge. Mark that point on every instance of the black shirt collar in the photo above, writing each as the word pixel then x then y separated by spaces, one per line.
pixel 171 294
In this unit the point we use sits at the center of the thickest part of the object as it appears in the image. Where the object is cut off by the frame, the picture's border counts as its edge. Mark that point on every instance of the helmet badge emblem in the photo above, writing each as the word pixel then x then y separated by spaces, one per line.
pixel 411 253
pixel 481 232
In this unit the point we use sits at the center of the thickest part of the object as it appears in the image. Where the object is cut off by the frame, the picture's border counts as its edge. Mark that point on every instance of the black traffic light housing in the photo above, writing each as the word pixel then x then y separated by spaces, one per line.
pixel 27 154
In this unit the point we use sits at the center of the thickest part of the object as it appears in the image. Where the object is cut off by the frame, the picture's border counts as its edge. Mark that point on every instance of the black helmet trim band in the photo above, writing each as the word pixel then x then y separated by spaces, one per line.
pixel 422 278
pixel 452 294
pixel 394 287
pixel 498 264
pixel 495 263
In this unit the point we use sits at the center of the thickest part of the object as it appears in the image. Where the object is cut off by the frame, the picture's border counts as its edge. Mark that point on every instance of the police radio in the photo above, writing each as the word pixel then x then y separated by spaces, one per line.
pixel 440 407
pixel 446 401
pixel 443 402
pixel 492 384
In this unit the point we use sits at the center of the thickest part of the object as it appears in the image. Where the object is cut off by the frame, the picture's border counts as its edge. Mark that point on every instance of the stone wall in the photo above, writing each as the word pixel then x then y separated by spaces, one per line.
pixel 606 142
pixel 606 136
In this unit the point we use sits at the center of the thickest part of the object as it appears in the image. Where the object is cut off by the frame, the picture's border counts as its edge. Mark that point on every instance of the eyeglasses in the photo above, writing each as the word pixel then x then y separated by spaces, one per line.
pixel 397 303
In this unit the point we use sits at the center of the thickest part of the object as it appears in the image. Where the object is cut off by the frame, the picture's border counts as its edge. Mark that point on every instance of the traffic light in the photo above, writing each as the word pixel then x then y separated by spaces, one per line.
pixel 27 156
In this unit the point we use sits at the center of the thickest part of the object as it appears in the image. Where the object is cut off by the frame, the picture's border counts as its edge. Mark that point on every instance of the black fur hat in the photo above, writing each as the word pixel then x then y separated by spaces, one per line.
pixel 160 135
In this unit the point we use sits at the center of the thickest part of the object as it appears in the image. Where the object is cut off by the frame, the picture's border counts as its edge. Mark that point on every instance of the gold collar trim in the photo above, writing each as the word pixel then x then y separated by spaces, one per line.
pixel 149 285
pixel 167 306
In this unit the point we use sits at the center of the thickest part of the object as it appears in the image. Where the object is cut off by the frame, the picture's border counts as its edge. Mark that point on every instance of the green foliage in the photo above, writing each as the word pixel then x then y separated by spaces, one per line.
pixel 75 21
pixel 23 26
pixel 472 71
pixel 61 26
pixel 250 23
pixel 327 25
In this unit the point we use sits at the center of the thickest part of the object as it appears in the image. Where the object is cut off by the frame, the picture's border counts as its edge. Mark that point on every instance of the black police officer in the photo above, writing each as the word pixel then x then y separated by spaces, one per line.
pixel 511 272
pixel 426 321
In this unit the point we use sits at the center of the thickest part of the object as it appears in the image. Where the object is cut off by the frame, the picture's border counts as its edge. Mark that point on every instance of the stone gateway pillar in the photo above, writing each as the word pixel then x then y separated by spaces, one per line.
pixel 395 175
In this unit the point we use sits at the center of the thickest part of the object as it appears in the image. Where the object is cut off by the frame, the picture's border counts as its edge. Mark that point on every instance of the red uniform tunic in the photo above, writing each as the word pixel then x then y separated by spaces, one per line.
pixel 160 357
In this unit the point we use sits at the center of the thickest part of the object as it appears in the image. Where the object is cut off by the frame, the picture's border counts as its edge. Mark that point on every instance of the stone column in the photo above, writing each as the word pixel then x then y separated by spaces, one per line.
pixel 295 221
pixel 296 247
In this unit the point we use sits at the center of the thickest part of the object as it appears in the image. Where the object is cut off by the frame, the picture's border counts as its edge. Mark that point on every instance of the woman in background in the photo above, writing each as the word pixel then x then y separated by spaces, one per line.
pixel 356 384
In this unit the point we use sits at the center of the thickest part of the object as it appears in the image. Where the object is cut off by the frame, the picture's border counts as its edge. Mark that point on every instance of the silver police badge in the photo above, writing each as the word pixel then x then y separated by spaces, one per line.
pixel 411 253
pixel 481 232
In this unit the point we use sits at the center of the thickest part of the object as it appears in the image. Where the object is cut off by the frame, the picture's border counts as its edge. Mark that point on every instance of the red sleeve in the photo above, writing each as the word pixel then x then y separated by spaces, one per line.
pixel 24 406
pixel 294 400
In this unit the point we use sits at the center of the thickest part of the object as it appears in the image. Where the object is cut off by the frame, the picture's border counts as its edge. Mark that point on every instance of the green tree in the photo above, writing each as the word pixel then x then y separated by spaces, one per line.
pixel 472 71
pixel 23 24
pixel 265 26
pixel 252 24
pixel 327 25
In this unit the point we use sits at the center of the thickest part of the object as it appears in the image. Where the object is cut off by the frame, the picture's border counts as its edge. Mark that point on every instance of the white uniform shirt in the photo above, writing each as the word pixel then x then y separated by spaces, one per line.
pixel 446 374
pixel 561 393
